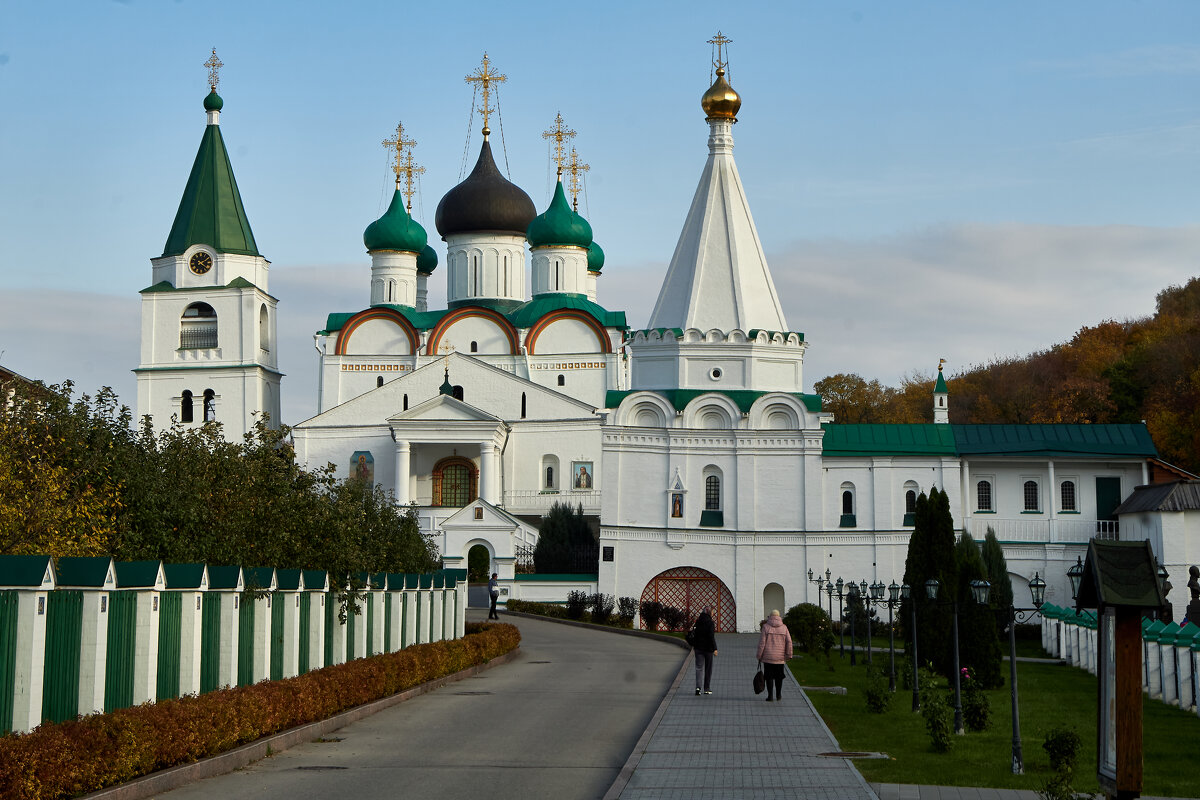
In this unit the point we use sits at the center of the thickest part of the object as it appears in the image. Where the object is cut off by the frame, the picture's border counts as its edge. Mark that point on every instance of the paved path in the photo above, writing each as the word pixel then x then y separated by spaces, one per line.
pixel 733 744
pixel 558 722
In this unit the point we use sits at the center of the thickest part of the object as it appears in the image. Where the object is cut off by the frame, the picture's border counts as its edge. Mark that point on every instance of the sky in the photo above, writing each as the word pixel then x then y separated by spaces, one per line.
pixel 967 181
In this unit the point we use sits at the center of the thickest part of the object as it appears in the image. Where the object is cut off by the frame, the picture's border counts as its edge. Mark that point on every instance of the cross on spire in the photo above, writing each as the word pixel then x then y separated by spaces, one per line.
pixel 214 66
pixel 402 161
pixel 561 134
pixel 720 41
pixel 484 77
pixel 575 185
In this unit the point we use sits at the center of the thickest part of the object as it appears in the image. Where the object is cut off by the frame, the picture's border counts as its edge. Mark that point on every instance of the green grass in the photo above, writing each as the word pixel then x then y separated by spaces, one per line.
pixel 1050 695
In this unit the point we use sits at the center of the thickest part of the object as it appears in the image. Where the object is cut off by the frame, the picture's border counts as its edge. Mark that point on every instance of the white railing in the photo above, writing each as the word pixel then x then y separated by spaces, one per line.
pixel 531 501
pixel 1045 531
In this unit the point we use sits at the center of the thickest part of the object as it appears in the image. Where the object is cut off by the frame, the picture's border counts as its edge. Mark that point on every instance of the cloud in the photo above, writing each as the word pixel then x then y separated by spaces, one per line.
pixel 888 307
pixel 1156 59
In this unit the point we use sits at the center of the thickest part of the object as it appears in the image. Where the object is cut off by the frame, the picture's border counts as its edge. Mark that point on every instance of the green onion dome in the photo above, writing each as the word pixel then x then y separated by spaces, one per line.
pixel 559 226
pixel 427 261
pixel 595 258
pixel 213 102
pixel 395 230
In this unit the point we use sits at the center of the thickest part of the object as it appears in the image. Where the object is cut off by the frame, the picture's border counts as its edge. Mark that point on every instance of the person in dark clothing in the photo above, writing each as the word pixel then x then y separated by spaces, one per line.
pixel 494 591
pixel 704 642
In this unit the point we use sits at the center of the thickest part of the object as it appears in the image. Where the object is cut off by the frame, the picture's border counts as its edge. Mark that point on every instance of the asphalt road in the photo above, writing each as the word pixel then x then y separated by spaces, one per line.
pixel 559 721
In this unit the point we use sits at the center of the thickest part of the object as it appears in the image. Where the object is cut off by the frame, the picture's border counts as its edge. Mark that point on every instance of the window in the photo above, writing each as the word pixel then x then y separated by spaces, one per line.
pixel 713 515
pixel 848 519
pixel 522 405
pixel 474 347
pixel 1031 496
pixel 185 407
pixel 210 406
pixel 379 380
pixel 455 482
pixel 198 327
pixel 458 393
pixel 983 496
pixel 550 473
pixel 549 477
pixel 1068 496
pixel 712 493
pixel 405 403
pixel 264 329
pixel 910 504
pixel 562 380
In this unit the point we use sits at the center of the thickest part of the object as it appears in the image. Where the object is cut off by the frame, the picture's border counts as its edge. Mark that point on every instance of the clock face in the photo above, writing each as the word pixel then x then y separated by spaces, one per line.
pixel 200 263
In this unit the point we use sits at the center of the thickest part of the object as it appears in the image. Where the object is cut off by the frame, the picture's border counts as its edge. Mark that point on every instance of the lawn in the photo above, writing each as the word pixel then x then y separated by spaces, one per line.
pixel 1050 695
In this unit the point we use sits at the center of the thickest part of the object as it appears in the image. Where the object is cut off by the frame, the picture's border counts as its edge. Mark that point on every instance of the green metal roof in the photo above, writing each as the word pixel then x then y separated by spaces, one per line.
pixel 529 313
pixel 183 576
pixel 137 574
pixel 595 258
pixel 224 577
pixel 396 230
pixel 559 225
pixel 316 579
pixel 211 211
pixel 23 570
pixel 427 260
pixel 83 570
pixel 869 439
pixel 1054 440
pixel 259 577
pixel 940 386
pixel 287 580
pixel 742 398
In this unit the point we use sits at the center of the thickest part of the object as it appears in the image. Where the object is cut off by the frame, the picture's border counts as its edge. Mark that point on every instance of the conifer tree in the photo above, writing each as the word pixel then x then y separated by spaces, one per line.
pixel 979 645
pixel 997 571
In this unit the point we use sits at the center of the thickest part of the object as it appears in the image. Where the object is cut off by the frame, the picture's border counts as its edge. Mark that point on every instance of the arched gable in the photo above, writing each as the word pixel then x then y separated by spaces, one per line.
pixel 550 319
pixel 636 406
pixel 501 325
pixel 371 319
pixel 700 411
pixel 773 411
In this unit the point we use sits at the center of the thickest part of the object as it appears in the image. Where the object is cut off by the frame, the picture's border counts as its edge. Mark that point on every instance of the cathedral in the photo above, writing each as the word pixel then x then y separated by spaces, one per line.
pixel 714 477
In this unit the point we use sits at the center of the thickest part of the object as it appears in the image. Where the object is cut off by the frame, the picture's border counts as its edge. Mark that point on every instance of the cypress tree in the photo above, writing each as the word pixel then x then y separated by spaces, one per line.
pixel 979 646
pixel 997 571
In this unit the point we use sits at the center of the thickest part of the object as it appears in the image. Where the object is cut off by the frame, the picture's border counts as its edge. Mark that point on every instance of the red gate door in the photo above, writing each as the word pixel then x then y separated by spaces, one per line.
pixel 691 589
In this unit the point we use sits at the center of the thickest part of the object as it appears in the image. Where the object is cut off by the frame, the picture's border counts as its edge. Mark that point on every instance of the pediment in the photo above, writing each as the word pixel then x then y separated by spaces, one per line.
pixel 444 408
pixel 482 515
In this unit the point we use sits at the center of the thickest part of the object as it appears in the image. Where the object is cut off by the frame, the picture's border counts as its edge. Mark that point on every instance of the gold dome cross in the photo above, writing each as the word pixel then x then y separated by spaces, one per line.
pixel 485 78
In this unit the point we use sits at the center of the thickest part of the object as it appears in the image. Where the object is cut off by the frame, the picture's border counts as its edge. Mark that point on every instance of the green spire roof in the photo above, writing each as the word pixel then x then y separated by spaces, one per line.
pixel 940 386
pixel 427 260
pixel 595 258
pixel 395 230
pixel 559 225
pixel 211 210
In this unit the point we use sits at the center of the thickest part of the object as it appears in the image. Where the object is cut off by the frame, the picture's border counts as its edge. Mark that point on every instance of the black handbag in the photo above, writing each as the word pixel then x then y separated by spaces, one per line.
pixel 690 637
pixel 760 680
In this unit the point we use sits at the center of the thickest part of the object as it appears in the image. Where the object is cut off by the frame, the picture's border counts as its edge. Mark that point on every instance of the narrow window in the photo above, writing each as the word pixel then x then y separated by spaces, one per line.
pixel 458 393
pixel 1031 496
pixel 185 407
pixel 562 380
pixel 910 502
pixel 474 347
pixel 983 496
pixel 712 493
pixel 379 380
pixel 549 477
pixel 505 290
pixel 522 405
pixel 1068 496
pixel 405 403
pixel 210 406
pixel 264 329
pixel 847 502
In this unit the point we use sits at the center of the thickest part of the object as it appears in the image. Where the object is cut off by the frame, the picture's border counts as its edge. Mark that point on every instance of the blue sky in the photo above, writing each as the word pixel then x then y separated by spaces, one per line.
pixel 937 179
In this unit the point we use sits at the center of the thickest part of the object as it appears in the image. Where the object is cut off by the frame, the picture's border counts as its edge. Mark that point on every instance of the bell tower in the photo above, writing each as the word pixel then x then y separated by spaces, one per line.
pixel 208 339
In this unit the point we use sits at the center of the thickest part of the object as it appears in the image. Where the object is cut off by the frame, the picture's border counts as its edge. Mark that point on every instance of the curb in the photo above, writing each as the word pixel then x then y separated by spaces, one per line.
pixel 174 777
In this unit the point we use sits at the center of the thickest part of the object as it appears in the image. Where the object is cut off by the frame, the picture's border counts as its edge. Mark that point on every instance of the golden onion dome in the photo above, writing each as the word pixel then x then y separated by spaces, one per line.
pixel 721 101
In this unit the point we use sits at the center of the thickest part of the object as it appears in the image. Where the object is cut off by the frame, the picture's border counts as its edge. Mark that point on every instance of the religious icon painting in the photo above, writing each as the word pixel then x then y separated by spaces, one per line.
pixel 362 466
pixel 676 504
pixel 582 474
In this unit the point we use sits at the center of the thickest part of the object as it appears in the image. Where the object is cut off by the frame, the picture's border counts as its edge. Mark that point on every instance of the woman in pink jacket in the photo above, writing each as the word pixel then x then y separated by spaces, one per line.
pixel 774 649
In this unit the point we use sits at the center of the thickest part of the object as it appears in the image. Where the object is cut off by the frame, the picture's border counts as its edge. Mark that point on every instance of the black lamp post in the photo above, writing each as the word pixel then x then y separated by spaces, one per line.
pixel 893 600
pixel 979 589
pixel 906 594
pixel 841 619
pixel 864 593
pixel 819 581
pixel 829 592
pixel 1037 590
pixel 852 594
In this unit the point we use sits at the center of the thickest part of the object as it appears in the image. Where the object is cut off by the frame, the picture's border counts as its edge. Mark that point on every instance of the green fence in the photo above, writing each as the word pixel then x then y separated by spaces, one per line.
pixel 305 641
pixel 246 616
pixel 122 644
pixel 60 671
pixel 210 642
pixel 170 644
pixel 277 636
pixel 9 603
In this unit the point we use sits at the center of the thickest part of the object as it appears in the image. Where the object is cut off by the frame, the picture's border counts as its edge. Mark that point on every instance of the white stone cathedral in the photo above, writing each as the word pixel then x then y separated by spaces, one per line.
pixel 715 478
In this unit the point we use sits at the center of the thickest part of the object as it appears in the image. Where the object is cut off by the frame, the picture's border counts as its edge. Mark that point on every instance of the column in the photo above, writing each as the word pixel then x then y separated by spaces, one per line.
pixel 1051 498
pixel 487 472
pixel 403 467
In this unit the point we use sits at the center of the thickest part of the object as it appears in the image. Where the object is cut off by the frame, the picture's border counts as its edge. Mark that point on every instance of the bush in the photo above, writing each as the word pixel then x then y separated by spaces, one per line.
pixel 939 720
pixel 878 695
pixel 627 608
pixel 977 711
pixel 808 624
pixel 541 609
pixel 1062 744
pixel 652 612
pixel 89 753
pixel 577 603
pixel 675 619
pixel 602 607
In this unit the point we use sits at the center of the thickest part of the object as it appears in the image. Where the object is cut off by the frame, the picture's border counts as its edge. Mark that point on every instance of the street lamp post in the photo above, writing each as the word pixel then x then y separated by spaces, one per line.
pixel 906 594
pixel 819 581
pixel 864 593
pixel 979 589
pixel 1037 591
pixel 841 619
pixel 829 593
pixel 852 594
pixel 893 599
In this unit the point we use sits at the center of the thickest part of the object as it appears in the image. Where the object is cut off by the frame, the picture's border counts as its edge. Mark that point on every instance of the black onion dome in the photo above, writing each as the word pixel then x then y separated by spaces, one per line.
pixel 485 201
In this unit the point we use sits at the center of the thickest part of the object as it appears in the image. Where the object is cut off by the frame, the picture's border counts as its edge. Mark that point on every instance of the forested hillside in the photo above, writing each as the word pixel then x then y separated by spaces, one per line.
pixel 1144 369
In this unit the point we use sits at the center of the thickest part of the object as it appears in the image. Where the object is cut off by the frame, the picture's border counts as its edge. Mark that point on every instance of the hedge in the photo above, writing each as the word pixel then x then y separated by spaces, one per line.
pixel 89 753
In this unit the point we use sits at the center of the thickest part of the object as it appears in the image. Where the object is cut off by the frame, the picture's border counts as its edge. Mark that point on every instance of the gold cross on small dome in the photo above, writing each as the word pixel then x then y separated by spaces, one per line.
pixel 484 77
pixel 575 185
pixel 561 134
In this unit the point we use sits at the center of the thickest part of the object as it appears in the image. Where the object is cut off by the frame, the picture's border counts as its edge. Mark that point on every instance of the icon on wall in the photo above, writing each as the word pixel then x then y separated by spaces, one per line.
pixel 581 474
pixel 362 466
pixel 677 504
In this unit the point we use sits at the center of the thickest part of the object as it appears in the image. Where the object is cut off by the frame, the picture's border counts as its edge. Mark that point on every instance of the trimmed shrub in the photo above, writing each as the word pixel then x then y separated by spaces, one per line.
pixel 89 753
pixel 939 720
pixel 808 624
pixel 602 607
pixel 977 711
pixel 877 694
pixel 1062 744
pixel 675 619
pixel 577 603
pixel 627 609
pixel 652 612
pixel 541 609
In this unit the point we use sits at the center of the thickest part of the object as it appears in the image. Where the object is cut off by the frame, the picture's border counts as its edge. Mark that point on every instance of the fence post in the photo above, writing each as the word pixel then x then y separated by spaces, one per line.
pixel 378 617
pixel 25 582
pixel 226 585
pixel 459 576
pixel 437 607
pixel 285 634
pixel 147 581
pixel 395 633
pixel 411 596
pixel 316 593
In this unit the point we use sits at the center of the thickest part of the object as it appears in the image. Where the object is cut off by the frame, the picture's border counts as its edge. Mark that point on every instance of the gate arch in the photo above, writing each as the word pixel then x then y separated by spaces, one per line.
pixel 691 589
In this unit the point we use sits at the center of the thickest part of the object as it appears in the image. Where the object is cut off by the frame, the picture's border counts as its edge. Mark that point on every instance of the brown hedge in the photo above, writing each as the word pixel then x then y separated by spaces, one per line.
pixel 82 755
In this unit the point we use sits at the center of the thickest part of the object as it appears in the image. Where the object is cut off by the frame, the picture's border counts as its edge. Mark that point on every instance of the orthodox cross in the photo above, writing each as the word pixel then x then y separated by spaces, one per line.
pixel 402 163
pixel 214 65
pixel 410 171
pixel 484 77
pixel 561 134
pixel 720 41
pixel 575 185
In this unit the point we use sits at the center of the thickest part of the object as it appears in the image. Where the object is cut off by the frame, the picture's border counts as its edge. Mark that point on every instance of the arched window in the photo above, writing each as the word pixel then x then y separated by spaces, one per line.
pixel 983 496
pixel 455 482
pixel 405 403
pixel 474 347
pixel 379 380
pixel 562 380
pixel 848 518
pixel 198 327
pixel 550 472
pixel 210 405
pixel 1068 496
pixel 549 477
pixel 910 503
pixel 185 407
pixel 264 329
pixel 458 393
pixel 522 405
pixel 1031 496
pixel 713 514
pixel 712 493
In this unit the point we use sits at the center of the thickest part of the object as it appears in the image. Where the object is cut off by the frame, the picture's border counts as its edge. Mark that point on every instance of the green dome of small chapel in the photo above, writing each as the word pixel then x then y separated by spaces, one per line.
pixel 559 226
pixel 396 230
